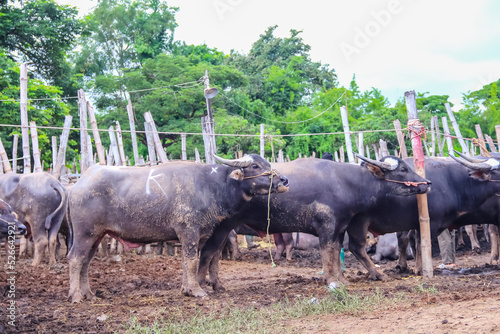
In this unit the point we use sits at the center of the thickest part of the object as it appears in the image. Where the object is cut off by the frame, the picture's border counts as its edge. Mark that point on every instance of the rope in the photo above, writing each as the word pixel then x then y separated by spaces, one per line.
pixel 482 146
pixel 407 183
pixel 416 127
pixel 273 265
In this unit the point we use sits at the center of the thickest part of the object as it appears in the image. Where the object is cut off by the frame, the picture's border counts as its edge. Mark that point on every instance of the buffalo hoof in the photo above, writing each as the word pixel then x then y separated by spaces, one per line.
pixel 378 277
pixel 75 298
pixel 217 286
pixel 476 250
pixel 193 292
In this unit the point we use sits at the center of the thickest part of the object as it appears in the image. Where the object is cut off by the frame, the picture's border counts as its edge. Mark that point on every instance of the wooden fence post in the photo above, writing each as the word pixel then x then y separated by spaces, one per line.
pixel 36 151
pixel 5 159
pixel 151 144
pixel 401 139
pixel 440 142
pixel 481 139
pixel 83 130
pixel 131 120
pixel 97 137
pixel 262 141
pixel 24 118
pixel 197 155
pixel 347 134
pixel 183 147
pixel 416 129
pixel 447 134
pixel 497 131
pixel 207 124
pixel 120 144
pixel 491 143
pixel 384 151
pixel 14 153
pixel 458 134
pixel 61 155
pixel 114 146
pixel 159 149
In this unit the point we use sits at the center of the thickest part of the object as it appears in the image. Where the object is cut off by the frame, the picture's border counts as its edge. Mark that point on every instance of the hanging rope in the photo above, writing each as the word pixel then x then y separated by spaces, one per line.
pixel 482 145
pixel 416 127
pixel 269 219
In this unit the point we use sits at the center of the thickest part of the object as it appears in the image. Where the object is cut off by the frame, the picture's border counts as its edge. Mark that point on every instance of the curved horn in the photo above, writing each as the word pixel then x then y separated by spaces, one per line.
pixel 479 166
pixel 380 164
pixel 241 163
pixel 470 159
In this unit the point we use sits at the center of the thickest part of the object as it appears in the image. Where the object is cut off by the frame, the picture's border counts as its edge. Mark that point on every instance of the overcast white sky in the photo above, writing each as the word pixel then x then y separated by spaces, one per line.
pixel 444 47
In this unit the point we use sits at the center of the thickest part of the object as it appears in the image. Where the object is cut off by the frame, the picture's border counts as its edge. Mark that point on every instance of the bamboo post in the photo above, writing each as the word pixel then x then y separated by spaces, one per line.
pixel 440 142
pixel 131 120
pixel 361 147
pixel 207 125
pixel 458 134
pixel 433 137
pixel 197 155
pixel 481 139
pixel 491 143
pixel 281 158
pixel 114 146
pixel 14 153
pixel 418 156
pixel 54 152
pixel 120 144
pixel 367 151
pixel 497 131
pixel 347 134
pixel 5 159
pixel 342 154
pixel 24 118
pixel 159 149
pixel 151 144
pixel 97 137
pixel 83 130
pixel 36 151
pixel 262 141
pixel 384 151
pixel 61 155
pixel 90 153
pixel 337 156
pixel 1 165
pixel 109 156
pixel 401 139
pixel 183 147
pixel 447 134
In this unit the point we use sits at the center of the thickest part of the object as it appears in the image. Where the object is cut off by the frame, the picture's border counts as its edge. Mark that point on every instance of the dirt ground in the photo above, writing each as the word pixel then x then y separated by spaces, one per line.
pixel 148 287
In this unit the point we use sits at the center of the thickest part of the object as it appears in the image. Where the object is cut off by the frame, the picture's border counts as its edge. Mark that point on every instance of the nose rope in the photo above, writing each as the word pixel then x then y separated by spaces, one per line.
pixel 273 172
pixel 408 183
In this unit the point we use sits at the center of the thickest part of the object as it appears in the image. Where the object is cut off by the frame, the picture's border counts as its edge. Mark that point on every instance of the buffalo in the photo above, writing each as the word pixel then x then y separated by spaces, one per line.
pixel 9 224
pixel 324 198
pixel 175 200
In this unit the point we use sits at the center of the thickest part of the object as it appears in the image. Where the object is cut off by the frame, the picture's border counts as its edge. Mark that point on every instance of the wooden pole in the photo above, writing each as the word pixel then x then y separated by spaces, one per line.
pixel 416 130
pixel 337 156
pixel 151 144
pixel 368 151
pixel 384 151
pixel 361 147
pixel 197 155
pixel 61 155
pixel 183 147
pixel 208 127
pixel 36 151
pixel 262 141
pixel 376 151
pixel 83 130
pixel 342 154
pixel 433 137
pixel 24 118
pixel 447 134
pixel 481 138
pixel 114 146
pixel 97 137
pixel 14 153
pixel 90 153
pixel 497 131
pixel 347 134
pixel 120 144
pixel 458 134
pixel 401 139
pixel 440 142
pixel 54 152
pixel 491 143
pixel 131 120
pixel 159 149
pixel 5 159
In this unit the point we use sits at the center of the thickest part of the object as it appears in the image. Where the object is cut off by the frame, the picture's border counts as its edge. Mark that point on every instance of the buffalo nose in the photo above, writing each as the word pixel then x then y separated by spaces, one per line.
pixel 21 228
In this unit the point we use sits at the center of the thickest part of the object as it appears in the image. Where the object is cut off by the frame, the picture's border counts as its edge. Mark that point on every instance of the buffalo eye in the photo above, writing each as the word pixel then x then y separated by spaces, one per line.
pixel 404 169
pixel 255 166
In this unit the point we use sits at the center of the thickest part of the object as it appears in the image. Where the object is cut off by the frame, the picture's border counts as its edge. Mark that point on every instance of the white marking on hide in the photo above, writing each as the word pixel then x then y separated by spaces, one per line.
pixel 214 170
pixel 151 177
pixel 393 162
pixel 493 163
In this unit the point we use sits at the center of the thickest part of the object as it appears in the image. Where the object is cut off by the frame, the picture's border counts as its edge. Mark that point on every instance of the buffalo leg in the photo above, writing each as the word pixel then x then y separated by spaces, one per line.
pixel 330 246
pixel 41 243
pixel 288 239
pixel 472 233
pixel 403 241
pixel 357 246
pixel 495 246
pixel 84 276
pixel 52 242
pixel 190 265
pixel 79 258
pixel 209 258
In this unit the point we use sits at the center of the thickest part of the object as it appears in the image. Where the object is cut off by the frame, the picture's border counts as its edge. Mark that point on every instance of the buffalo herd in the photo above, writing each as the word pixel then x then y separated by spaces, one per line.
pixel 200 205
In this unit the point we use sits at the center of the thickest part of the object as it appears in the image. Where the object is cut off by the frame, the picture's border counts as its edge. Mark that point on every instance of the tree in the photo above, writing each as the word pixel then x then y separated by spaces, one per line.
pixel 39 32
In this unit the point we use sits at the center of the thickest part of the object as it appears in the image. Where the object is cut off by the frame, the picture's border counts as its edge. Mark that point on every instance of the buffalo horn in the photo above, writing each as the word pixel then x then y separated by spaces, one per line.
pixel 470 159
pixel 241 163
pixel 479 166
pixel 380 164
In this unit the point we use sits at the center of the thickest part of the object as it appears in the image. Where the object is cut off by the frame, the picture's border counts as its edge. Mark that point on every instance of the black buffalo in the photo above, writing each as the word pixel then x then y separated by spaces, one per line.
pixel 40 201
pixel 323 199
pixel 175 200
pixel 456 190
pixel 9 224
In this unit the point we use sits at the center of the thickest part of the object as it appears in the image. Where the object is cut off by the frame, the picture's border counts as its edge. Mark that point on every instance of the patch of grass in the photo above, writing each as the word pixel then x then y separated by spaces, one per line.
pixel 262 320
pixel 424 287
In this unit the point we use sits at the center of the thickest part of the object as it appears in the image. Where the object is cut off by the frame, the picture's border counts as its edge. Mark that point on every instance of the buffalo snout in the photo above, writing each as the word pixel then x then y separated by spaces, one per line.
pixel 284 184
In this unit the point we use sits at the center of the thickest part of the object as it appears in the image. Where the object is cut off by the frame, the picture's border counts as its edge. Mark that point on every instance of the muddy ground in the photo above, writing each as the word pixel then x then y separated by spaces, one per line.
pixel 148 287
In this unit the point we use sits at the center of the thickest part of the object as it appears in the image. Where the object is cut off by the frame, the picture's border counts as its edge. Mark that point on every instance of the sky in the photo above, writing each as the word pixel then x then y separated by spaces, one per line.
pixel 444 47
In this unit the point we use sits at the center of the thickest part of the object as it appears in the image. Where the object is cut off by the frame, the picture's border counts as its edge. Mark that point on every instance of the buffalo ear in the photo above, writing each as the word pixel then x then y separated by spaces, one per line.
pixel 375 170
pixel 479 175
pixel 237 174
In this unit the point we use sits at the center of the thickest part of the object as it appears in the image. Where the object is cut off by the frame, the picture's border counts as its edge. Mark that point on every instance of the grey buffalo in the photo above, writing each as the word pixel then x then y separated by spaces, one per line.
pixel 323 199
pixel 175 200
pixel 9 224
pixel 40 200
